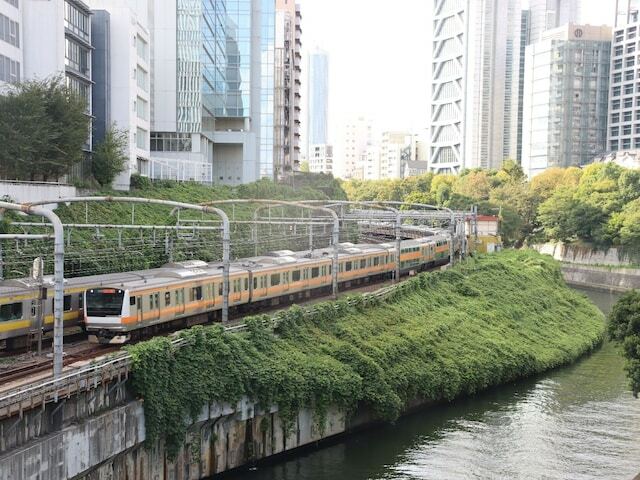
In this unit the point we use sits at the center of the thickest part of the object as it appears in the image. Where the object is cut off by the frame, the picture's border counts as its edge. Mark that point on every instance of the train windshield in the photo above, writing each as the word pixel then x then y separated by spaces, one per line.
pixel 104 302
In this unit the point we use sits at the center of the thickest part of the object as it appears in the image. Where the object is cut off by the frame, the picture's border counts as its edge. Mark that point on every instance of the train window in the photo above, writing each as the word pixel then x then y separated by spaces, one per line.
pixel 348 266
pixel 363 263
pixel 156 296
pixel 167 299
pixel 81 301
pixel 275 279
pixel 66 303
pixel 220 288
pixel 255 282
pixel 10 311
pixel 132 300
pixel 197 293
pixel 295 275
pixel 151 302
pixel 246 284
pixel 315 272
pixel 376 261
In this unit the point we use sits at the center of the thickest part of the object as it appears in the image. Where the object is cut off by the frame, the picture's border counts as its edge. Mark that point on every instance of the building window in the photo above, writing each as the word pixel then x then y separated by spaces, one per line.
pixel 77 86
pixel 142 109
pixel 77 57
pixel 618 50
pixel 142 48
pixel 617 64
pixel 9 70
pixel 615 118
pixel 615 104
pixel 626 117
pixel 628 89
pixel 613 145
pixel 616 91
pixel 628 102
pixel 77 21
pixel 142 79
pixel 617 77
pixel 628 75
pixel 141 138
pixel 626 130
pixel 170 142
pixel 630 48
pixel 614 131
pixel 626 143
pixel 9 31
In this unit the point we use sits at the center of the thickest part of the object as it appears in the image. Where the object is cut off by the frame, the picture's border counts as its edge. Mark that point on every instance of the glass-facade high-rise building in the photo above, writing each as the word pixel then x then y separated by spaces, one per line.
pixel 213 90
pixel 565 97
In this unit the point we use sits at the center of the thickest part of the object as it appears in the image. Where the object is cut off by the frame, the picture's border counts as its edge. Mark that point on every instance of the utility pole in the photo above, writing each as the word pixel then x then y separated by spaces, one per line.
pixel 37 273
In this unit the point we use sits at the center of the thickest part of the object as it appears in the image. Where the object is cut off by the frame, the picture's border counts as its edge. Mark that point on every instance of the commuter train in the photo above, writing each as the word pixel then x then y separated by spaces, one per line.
pixel 119 306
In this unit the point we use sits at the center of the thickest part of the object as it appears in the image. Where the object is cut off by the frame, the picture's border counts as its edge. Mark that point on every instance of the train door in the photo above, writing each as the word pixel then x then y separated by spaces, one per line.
pixel 182 305
pixel 139 309
pixel 285 281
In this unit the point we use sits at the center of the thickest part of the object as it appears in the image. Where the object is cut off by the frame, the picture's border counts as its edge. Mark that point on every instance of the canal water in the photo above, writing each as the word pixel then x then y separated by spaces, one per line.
pixel 578 422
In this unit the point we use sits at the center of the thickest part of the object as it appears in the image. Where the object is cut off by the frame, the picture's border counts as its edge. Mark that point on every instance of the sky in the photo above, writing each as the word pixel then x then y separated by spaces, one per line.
pixel 379 58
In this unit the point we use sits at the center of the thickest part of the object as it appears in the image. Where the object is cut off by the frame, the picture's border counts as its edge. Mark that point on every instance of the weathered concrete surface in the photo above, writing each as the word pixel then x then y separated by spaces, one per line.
pixel 109 445
pixel 614 257
pixel 602 278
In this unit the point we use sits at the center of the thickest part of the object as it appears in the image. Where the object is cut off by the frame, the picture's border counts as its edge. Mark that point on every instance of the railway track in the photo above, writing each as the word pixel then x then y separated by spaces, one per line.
pixel 83 350
pixel 34 365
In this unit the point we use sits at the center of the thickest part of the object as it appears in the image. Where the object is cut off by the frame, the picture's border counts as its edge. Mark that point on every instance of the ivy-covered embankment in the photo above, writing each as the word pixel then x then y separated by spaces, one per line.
pixel 488 321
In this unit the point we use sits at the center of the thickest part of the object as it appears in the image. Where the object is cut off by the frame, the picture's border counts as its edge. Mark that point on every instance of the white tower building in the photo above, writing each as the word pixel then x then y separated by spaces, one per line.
pixel 475 77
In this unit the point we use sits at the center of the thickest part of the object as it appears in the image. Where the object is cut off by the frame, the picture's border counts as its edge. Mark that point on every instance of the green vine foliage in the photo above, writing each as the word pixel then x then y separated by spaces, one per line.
pixel 488 321
pixel 624 328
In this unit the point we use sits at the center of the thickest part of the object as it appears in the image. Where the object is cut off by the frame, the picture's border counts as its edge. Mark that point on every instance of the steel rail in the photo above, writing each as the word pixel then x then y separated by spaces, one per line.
pixel 119 364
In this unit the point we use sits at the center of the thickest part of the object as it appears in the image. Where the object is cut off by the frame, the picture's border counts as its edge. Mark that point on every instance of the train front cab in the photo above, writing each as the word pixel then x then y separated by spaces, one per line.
pixel 105 311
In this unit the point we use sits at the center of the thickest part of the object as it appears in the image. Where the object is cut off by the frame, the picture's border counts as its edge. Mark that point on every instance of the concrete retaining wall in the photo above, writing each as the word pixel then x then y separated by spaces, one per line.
pixel 22 192
pixel 602 278
pixel 587 256
pixel 109 445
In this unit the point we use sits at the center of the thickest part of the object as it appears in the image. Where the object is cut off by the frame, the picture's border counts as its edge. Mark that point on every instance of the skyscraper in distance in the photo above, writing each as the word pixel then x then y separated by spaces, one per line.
pixel 475 78
pixel 317 98
pixel 565 97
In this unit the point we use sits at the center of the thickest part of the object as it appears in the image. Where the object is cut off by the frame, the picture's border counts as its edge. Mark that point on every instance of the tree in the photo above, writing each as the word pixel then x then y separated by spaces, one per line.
pixel 624 328
pixel 109 157
pixel 624 226
pixel 511 171
pixel 43 128
pixel 476 185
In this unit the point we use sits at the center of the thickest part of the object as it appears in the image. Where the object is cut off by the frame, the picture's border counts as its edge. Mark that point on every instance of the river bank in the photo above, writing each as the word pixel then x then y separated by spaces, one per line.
pixel 223 401
pixel 486 322
pixel 579 422
pixel 601 278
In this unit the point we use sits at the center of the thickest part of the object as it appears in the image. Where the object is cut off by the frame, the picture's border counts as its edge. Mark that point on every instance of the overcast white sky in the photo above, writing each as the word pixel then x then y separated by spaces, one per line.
pixel 379 56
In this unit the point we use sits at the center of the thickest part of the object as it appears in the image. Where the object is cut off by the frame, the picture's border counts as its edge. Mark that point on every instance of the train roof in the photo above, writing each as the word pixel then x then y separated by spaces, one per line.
pixel 179 272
